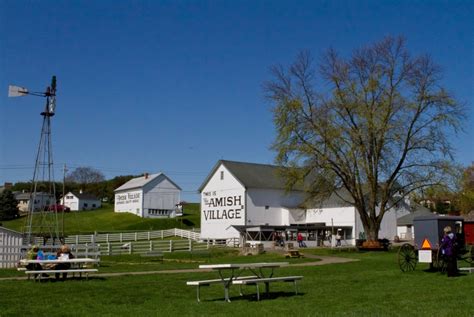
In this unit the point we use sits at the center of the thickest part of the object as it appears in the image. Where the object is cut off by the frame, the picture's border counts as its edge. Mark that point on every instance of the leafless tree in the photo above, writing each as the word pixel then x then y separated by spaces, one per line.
pixel 85 175
pixel 375 124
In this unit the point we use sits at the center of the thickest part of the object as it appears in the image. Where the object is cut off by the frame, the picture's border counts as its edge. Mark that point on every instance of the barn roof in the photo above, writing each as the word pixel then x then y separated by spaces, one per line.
pixel 251 175
pixel 84 196
pixel 408 219
pixel 139 182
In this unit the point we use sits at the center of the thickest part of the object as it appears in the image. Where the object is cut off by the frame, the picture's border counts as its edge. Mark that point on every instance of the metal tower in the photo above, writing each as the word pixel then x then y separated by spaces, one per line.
pixel 42 219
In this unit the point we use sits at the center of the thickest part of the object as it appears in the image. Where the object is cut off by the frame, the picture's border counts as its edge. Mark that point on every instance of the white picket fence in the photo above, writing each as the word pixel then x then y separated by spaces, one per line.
pixel 95 245
pixel 133 236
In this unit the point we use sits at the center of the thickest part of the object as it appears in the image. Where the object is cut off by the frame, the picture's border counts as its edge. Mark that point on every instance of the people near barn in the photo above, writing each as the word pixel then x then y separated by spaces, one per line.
pixel 300 239
pixel 338 238
pixel 448 250
pixel 64 253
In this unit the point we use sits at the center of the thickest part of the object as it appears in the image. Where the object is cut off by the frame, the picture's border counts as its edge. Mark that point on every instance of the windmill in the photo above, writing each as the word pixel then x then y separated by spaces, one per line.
pixel 42 219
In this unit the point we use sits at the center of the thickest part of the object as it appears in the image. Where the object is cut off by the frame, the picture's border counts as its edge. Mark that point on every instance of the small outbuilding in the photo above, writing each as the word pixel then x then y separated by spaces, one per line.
pixel 81 201
pixel 149 196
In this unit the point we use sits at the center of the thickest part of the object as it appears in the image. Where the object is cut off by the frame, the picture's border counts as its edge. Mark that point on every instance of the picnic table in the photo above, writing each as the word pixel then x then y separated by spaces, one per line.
pixel 78 265
pixel 232 273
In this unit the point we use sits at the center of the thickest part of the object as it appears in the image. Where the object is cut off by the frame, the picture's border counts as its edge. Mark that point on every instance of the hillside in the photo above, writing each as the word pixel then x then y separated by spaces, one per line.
pixel 106 220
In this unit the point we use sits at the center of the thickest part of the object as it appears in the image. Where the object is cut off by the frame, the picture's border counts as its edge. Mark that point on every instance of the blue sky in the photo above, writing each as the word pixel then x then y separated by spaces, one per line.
pixel 174 86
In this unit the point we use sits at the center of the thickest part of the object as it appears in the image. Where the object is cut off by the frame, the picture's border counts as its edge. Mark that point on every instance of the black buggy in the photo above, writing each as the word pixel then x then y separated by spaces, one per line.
pixel 428 234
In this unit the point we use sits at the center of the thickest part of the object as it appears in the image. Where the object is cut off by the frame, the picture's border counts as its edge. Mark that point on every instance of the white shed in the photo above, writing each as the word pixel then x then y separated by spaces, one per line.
pixel 237 197
pixel 81 201
pixel 149 196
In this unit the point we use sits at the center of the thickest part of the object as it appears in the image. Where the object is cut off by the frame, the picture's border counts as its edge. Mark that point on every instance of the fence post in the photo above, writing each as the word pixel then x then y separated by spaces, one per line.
pixel 208 244
pixel 136 236
pixel 87 250
pixel 149 235
pixel 108 248
pixel 171 245
pixel 161 234
pixel 77 239
pixel 130 248
pixel 120 237
pixel 107 238
pixel 151 245
pixel 190 245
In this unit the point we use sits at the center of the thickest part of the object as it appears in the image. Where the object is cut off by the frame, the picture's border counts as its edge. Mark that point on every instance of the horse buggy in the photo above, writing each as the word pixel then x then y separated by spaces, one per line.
pixel 428 232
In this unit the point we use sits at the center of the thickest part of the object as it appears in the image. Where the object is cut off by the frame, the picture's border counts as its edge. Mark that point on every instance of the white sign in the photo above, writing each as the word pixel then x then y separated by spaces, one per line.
pixel 220 210
pixel 425 256
pixel 222 207
pixel 127 198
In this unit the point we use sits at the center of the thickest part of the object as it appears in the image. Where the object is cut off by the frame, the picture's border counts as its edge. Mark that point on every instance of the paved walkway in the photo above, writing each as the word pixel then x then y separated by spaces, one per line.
pixel 322 260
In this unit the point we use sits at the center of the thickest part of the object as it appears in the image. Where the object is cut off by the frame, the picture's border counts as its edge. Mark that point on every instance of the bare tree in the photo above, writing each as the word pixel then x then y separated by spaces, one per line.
pixel 85 175
pixel 377 126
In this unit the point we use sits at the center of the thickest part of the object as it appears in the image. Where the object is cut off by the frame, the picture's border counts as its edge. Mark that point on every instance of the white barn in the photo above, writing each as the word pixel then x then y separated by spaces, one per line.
pixel 149 196
pixel 249 200
pixel 81 201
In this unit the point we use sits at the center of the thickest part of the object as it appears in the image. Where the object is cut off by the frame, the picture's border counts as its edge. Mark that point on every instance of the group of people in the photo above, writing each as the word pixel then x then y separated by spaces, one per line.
pixel 63 253
pixel 279 239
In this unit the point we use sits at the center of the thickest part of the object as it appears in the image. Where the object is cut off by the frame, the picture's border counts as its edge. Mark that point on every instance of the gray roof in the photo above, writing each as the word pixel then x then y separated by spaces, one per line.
pixel 407 220
pixel 84 196
pixel 251 175
pixel 141 181
pixel 26 196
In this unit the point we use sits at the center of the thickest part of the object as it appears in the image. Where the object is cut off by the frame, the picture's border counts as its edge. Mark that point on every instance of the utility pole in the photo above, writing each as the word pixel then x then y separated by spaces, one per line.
pixel 64 198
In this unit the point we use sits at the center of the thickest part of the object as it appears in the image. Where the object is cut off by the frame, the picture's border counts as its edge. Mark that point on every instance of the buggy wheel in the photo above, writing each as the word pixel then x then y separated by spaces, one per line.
pixel 407 257
pixel 439 261
pixel 469 256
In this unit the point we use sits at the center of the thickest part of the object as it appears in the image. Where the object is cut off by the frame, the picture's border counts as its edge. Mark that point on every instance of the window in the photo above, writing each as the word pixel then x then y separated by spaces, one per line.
pixel 267 207
pixel 222 175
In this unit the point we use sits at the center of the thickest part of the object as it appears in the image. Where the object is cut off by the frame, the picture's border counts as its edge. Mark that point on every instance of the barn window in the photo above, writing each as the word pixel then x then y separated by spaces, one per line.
pixel 222 175
pixel 267 207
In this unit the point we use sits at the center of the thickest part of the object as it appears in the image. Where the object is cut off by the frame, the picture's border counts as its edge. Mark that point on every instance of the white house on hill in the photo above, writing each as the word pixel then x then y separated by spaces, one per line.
pixel 149 196
pixel 249 201
pixel 81 201
pixel 40 200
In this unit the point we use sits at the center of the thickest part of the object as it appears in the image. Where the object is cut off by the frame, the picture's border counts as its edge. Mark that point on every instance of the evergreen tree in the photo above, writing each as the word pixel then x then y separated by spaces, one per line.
pixel 8 205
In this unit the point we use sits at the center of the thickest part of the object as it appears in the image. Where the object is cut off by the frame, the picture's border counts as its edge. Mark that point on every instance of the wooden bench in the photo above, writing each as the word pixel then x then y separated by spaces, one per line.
pixel 267 281
pixel 215 281
pixel 293 254
pixel 154 254
pixel 38 274
pixel 467 269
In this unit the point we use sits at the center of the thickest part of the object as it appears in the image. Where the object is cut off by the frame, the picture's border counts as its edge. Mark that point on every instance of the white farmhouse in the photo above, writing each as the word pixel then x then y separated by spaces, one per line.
pixel 249 201
pixel 81 201
pixel 40 200
pixel 149 196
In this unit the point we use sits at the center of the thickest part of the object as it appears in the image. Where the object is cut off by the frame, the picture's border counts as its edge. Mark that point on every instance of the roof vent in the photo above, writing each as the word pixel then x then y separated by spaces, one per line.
pixel 146 175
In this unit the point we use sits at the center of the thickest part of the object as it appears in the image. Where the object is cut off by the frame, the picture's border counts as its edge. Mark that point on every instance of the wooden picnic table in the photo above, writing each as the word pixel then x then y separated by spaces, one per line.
pixel 78 265
pixel 229 273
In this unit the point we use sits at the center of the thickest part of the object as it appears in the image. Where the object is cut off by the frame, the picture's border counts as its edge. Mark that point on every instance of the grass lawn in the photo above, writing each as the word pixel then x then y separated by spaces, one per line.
pixel 106 220
pixel 373 286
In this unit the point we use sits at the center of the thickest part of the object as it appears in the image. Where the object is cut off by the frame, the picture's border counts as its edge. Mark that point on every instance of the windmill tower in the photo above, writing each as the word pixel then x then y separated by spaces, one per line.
pixel 42 219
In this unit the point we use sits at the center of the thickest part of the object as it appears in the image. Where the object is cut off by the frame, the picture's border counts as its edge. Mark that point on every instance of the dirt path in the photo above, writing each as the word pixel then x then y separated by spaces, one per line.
pixel 322 260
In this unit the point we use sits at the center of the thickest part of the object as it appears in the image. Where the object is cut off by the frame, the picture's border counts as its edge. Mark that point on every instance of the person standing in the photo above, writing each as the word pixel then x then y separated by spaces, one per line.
pixel 448 250
pixel 338 238
pixel 299 237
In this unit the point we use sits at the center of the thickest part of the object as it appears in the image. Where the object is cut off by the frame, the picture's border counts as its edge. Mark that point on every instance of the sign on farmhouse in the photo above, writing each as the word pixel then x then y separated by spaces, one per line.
pixel 127 198
pixel 217 207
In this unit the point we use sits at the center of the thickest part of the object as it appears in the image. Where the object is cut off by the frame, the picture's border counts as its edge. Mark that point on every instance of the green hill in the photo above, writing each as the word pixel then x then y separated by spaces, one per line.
pixel 106 220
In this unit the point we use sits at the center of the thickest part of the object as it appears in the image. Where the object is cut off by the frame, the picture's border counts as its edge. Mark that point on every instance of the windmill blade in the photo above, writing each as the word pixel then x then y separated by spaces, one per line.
pixel 16 91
